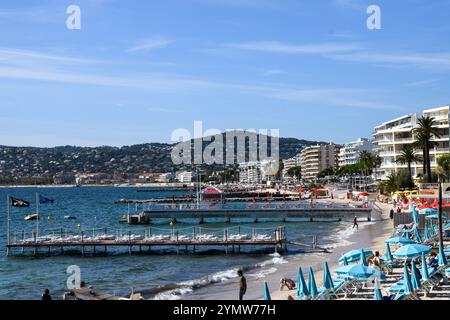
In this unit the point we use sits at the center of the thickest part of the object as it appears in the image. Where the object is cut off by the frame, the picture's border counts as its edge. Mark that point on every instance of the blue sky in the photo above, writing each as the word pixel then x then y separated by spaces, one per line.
pixel 137 70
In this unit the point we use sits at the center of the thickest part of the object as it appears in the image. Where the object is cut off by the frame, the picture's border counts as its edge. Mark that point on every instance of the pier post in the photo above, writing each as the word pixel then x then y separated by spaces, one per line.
pixel 129 241
pixel 82 240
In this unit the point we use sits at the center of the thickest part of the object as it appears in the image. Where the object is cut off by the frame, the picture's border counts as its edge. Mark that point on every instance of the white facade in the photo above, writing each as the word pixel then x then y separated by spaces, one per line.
pixel 390 138
pixel 315 159
pixel 351 152
pixel 184 176
pixel 289 164
pixel 257 172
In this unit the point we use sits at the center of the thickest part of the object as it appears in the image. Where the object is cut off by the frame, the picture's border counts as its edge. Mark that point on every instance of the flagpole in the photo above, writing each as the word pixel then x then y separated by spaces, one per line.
pixel 7 223
pixel 37 212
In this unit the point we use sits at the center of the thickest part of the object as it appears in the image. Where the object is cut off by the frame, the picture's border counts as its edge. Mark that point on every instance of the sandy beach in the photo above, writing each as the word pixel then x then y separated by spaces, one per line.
pixel 370 236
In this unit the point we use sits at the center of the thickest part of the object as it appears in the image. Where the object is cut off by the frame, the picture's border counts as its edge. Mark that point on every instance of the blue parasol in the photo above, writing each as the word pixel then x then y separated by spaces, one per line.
pixel 415 276
pixel 312 283
pixel 425 274
pixel 407 285
pixel 327 279
pixel 302 288
pixel 267 296
pixel 411 251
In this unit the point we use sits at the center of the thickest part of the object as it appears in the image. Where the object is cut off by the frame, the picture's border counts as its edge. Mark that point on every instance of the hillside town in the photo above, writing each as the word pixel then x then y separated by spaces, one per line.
pixel 391 153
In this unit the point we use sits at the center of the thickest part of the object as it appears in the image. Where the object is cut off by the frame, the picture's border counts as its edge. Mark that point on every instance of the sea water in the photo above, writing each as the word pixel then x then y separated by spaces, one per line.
pixel 157 275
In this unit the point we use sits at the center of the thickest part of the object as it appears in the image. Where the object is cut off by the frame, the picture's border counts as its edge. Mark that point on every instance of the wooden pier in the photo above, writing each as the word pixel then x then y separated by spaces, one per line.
pixel 187 240
pixel 256 215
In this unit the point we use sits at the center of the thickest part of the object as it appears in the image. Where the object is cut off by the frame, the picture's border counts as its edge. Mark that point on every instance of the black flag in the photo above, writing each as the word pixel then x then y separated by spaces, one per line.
pixel 19 203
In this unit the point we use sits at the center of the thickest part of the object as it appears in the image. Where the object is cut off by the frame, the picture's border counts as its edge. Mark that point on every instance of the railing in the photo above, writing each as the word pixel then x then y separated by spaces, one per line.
pixel 152 234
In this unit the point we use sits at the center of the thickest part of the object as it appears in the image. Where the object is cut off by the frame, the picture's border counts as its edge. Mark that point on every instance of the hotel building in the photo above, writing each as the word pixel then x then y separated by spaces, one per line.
pixel 391 136
pixel 350 153
pixel 315 159
pixel 289 164
pixel 257 172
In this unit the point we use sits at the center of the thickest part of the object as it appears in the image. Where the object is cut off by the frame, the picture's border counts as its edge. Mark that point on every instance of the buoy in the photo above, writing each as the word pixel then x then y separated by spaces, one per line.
pixel 49 218
pixel 171 223
pixel 79 226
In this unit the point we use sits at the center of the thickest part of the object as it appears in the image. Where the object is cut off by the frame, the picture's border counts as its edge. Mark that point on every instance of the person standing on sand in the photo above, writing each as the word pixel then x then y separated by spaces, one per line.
pixel 46 295
pixel 242 285
pixel 355 223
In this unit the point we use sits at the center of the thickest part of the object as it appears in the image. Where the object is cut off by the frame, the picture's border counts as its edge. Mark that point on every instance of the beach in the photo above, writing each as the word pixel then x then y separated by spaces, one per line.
pixel 369 235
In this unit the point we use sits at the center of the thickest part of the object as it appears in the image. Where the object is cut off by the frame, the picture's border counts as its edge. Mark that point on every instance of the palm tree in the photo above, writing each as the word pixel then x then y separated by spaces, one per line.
pixel 444 164
pixel 368 162
pixel 424 134
pixel 408 156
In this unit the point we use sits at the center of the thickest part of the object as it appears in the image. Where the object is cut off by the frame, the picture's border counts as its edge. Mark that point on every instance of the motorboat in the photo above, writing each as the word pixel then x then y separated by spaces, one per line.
pixel 32 217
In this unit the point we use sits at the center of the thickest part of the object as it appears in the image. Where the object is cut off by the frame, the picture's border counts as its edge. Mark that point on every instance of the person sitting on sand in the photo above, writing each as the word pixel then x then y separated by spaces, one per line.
pixel 288 283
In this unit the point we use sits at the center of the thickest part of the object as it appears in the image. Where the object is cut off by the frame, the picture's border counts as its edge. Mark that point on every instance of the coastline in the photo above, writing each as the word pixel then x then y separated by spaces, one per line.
pixel 370 235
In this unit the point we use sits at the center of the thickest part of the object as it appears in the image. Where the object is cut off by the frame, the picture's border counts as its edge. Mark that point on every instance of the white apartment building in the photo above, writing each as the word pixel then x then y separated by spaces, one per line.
pixel 315 159
pixel 350 153
pixel 289 164
pixel 184 176
pixel 257 172
pixel 391 136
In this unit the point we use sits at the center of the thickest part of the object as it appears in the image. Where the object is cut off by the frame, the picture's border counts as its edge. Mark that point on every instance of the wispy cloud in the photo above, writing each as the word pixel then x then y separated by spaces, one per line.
pixel 284 48
pixel 150 44
pixel 422 60
pixel 272 72
pixel 421 83
pixel 60 69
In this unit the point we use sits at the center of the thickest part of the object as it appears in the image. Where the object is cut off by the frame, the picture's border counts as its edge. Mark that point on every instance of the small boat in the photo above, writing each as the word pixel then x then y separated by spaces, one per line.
pixel 70 217
pixel 31 217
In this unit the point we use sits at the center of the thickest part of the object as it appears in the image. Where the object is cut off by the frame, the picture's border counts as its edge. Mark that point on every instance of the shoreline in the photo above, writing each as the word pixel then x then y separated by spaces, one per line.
pixel 370 235
pixel 373 238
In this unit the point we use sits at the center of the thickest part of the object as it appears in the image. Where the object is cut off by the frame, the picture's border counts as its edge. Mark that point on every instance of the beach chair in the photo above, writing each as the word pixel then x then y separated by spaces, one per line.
pixel 327 294
pixel 347 289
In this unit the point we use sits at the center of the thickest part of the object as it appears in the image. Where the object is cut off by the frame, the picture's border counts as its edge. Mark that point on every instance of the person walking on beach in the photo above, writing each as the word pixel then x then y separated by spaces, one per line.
pixel 46 295
pixel 242 285
pixel 355 223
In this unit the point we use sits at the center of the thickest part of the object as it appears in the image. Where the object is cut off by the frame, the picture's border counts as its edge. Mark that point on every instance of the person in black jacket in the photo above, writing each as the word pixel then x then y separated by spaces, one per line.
pixel 46 295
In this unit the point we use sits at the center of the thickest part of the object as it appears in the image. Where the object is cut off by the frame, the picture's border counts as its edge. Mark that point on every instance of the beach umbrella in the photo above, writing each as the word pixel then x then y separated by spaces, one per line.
pixel 355 255
pixel 428 211
pixel 327 279
pixel 435 230
pixel 415 215
pixel 447 226
pixel 434 217
pixel 359 271
pixel 441 257
pixel 312 283
pixel 345 262
pixel 399 240
pixel 417 236
pixel 267 296
pixel 426 233
pixel 407 285
pixel 378 295
pixel 415 276
pixel 388 253
pixel 363 259
pixel 302 288
pixel 411 251
pixel 425 274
